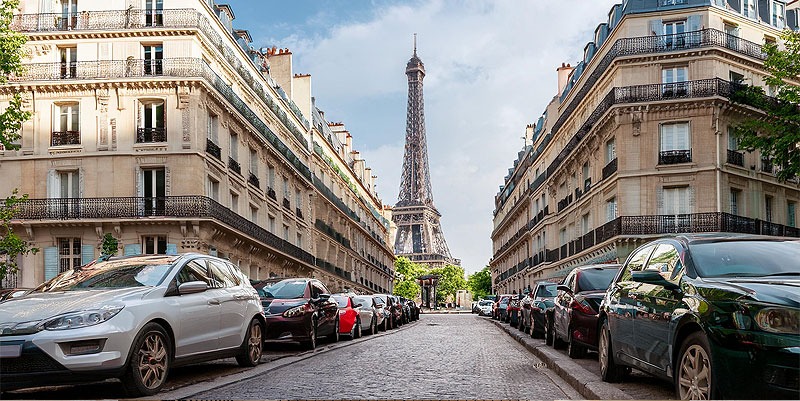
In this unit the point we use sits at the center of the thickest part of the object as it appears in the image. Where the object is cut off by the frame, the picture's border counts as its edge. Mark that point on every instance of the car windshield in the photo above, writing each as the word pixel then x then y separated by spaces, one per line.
pixel 364 301
pixel 484 303
pixel 286 289
pixel 595 279
pixel 746 258
pixel 341 301
pixel 546 291
pixel 124 273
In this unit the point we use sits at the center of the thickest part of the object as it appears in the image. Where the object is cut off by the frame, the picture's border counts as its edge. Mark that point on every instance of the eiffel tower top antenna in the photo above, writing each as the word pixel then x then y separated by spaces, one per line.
pixel 415 44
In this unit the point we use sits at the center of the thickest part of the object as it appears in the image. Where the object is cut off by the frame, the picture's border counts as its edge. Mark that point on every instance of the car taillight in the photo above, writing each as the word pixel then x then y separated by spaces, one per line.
pixel 582 307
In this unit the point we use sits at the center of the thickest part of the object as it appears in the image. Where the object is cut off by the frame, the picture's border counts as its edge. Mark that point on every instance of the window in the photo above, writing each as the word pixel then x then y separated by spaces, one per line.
pixel 298 199
pixel 212 125
pixel 676 201
pixel 253 162
pixel 286 190
pixel 299 240
pixel 69 184
pixel 154 12
pixel 234 202
pixel 637 262
pixel 194 270
pixel 674 80
pixel 585 171
pixel 153 59
pixel 67 125
pixel 735 196
pixel 154 245
pixel 154 188
pixel 151 122
pixel 675 137
pixel 286 233
pixel 69 254
pixel 586 224
pixel 271 176
pixel 234 146
pixel 611 150
pixel 69 15
pixel 666 261
pixel 736 78
pixel 733 140
pixel 674 34
pixel 562 236
pixel 536 207
pixel 749 8
pixel 213 189
pixel 791 214
pixel 778 15
pixel 69 61
pixel 221 275
pixel 271 226
pixel 768 208
pixel 611 209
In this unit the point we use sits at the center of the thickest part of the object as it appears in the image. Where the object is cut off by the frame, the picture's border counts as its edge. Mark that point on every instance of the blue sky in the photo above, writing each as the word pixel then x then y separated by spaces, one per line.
pixel 491 71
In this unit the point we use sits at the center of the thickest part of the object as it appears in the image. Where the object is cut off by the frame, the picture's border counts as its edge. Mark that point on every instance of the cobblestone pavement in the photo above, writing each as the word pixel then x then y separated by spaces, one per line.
pixel 441 356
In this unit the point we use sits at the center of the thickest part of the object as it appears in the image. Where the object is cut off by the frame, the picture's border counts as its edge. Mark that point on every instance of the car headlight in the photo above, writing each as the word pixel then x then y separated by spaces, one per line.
pixel 296 311
pixel 85 318
pixel 779 320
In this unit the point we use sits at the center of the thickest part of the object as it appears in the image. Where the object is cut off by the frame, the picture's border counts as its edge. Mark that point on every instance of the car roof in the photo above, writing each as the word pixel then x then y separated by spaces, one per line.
pixel 689 239
pixel 614 266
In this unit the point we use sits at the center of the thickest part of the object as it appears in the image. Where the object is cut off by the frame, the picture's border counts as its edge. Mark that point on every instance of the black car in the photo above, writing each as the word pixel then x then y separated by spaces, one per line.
pixel 413 310
pixel 540 302
pixel 717 315
pixel 299 310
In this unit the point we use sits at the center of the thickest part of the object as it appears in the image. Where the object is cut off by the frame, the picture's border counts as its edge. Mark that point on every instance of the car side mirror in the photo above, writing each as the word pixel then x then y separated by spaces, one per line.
pixel 322 297
pixel 192 287
pixel 653 277
pixel 358 306
pixel 562 287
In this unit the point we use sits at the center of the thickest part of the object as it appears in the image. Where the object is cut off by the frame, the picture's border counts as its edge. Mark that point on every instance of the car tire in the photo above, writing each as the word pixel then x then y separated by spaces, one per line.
pixel 574 350
pixel 252 345
pixel 311 343
pixel 153 343
pixel 689 377
pixel 385 324
pixel 548 331
pixel 531 330
pixel 610 371
pixel 373 326
pixel 358 329
pixel 335 337
pixel 352 334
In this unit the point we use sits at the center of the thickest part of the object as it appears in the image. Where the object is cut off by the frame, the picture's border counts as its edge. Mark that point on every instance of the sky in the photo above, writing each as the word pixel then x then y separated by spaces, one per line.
pixel 491 70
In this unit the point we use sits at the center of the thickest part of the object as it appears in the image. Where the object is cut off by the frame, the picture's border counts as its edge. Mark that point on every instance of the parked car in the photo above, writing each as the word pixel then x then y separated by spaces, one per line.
pixel 485 307
pixel 299 310
pixel 475 308
pixel 382 314
pixel 577 307
pixel 501 308
pixel 368 313
pixel 718 315
pixel 396 310
pixel 541 301
pixel 8 293
pixel 134 318
pixel 512 311
pixel 405 310
pixel 414 310
pixel 349 316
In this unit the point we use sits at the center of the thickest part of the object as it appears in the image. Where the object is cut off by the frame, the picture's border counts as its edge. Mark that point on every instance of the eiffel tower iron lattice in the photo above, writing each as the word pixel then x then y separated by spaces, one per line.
pixel 419 233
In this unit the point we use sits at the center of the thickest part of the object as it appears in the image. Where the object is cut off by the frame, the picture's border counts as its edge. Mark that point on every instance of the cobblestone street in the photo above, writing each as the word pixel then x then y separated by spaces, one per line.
pixel 441 356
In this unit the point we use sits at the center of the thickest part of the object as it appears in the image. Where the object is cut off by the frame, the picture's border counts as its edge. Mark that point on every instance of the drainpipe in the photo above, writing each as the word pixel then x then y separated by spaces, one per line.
pixel 719 166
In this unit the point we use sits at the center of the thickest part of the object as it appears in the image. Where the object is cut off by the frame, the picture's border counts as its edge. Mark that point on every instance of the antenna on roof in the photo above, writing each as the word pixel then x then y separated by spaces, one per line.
pixel 415 44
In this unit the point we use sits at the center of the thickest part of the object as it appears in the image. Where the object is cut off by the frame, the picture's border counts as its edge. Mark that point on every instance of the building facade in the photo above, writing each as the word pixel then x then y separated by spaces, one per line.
pixel 636 144
pixel 159 122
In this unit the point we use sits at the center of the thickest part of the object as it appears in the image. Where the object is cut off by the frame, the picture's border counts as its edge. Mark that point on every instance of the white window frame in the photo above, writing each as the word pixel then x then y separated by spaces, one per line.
pixel 212 128
pixel 777 19
pixel 612 210
pixel 674 203
pixel 675 144
pixel 213 189
pixel 734 201
pixel 72 112
pixel 754 8
pixel 234 150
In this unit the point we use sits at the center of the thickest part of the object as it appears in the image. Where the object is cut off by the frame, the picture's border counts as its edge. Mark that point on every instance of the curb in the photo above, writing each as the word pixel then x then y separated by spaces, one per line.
pixel 586 383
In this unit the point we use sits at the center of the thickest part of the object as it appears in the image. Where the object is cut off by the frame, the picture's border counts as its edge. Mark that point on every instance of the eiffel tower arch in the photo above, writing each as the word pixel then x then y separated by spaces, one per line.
pixel 419 233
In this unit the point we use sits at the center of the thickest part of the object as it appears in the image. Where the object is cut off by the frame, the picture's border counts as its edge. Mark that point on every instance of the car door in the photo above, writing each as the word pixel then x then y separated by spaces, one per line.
pixel 623 304
pixel 232 309
pixel 329 309
pixel 199 323
pixel 561 307
pixel 652 323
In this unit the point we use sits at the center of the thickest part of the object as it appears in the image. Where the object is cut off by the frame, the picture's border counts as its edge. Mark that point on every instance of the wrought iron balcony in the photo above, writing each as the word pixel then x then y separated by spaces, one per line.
pixel 674 156
pixel 181 207
pixel 213 149
pixel 286 204
pixel 253 180
pixel 735 157
pixel 59 138
pixel 150 135
pixel 766 166
pixel 271 193
pixel 234 166
pixel 299 213
pixel 610 169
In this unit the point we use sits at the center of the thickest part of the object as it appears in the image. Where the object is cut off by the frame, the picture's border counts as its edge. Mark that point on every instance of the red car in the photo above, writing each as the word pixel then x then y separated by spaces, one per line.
pixel 349 322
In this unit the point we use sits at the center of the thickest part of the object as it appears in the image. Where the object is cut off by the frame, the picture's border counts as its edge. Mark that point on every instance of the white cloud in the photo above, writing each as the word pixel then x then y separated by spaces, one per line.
pixel 491 70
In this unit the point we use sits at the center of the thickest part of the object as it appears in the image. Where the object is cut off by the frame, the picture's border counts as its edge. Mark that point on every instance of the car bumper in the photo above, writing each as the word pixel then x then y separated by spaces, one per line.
pixel 287 329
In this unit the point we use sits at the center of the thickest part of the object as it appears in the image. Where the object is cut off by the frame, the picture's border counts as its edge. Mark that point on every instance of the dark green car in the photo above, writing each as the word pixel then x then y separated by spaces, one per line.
pixel 718 315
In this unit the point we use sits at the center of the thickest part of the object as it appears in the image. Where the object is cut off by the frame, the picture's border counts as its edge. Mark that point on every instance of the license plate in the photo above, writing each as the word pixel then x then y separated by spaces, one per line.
pixel 10 351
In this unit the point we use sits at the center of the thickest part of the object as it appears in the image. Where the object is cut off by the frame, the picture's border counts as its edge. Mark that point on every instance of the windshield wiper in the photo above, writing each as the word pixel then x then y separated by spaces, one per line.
pixel 782 274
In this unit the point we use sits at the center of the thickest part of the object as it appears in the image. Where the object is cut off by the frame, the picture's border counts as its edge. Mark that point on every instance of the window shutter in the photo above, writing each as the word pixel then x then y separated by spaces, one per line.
pixel 132 249
pixel 764 11
pixel 791 19
pixel 690 200
pixel 139 182
pixel 694 22
pixel 681 137
pixel 212 251
pixel 50 262
pixel 53 189
pixel 172 249
pixel 660 201
pixel 656 27
pixel 667 137
pixel 140 116
pixel 87 254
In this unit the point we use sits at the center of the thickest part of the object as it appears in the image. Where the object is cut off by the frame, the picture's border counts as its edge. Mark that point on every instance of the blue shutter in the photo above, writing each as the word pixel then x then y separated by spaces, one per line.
pixel 694 22
pixel 132 249
pixel 87 254
pixel 212 251
pixel 172 249
pixel 50 262
pixel 764 11
pixel 736 5
pixel 791 19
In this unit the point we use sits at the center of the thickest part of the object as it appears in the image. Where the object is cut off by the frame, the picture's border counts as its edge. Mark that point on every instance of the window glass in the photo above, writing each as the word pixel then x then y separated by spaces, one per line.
pixel 595 279
pixel 221 274
pixel 138 272
pixel 637 262
pixel 665 260
pixel 546 291
pixel 746 258
pixel 286 289
pixel 341 301
pixel 195 270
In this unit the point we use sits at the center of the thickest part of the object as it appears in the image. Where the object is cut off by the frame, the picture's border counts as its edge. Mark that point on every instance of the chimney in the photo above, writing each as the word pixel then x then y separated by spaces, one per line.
pixel 529 134
pixel 280 61
pixel 348 143
pixel 563 76
pixel 369 178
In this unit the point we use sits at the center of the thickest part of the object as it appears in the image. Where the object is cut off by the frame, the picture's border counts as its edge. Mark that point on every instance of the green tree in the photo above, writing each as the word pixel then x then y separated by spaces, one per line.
pixel 11 120
pixel 405 275
pixel 451 279
pixel 775 131
pixel 480 283
pixel 110 245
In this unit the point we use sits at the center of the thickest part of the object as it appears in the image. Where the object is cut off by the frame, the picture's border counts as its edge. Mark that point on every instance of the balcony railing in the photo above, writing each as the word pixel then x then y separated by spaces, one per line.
pixel 172 67
pixel 271 193
pixel 735 157
pixel 253 180
pixel 234 166
pixel 766 166
pixel 213 149
pixel 59 138
pixel 150 135
pixel 674 156
pixel 610 169
pixel 299 213
pixel 180 207
pixel 286 204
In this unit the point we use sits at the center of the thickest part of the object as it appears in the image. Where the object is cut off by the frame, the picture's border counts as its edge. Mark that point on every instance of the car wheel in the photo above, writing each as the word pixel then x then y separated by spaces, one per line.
pixel 311 343
pixel 574 350
pixel 532 332
pixel 373 326
pixel 609 370
pixel 149 362
pixel 693 379
pixel 358 329
pixel 335 336
pixel 352 334
pixel 548 331
pixel 252 346
pixel 385 324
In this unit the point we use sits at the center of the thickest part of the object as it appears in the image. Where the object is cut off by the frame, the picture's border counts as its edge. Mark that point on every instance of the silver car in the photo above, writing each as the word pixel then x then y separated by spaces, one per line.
pixel 382 313
pixel 133 318
pixel 368 314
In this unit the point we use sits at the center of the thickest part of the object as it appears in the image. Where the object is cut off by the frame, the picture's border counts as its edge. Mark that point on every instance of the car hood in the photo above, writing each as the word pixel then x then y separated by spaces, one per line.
pixel 276 306
pixel 43 305
pixel 770 290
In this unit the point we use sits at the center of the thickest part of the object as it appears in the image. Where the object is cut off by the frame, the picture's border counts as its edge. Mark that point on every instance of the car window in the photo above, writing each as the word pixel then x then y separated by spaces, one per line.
pixel 238 275
pixel 321 287
pixel 364 301
pixel 286 289
pixel 546 291
pixel 751 258
pixel 637 262
pixel 665 260
pixel 378 302
pixel 221 274
pixel 315 291
pixel 194 271
pixel 570 280
pixel 109 274
pixel 341 301
pixel 595 279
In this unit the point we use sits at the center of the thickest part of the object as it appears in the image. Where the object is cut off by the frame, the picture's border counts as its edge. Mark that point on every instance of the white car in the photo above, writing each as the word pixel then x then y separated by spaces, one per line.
pixel 485 307
pixel 133 318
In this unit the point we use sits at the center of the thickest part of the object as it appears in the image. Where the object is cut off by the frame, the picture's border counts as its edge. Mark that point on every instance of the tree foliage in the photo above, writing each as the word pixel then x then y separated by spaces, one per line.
pixel 10 244
pixel 480 283
pixel 110 245
pixel 451 279
pixel 406 273
pixel 776 132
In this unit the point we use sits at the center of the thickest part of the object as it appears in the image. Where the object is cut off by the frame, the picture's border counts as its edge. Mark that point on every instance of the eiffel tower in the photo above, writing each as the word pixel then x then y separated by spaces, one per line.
pixel 419 234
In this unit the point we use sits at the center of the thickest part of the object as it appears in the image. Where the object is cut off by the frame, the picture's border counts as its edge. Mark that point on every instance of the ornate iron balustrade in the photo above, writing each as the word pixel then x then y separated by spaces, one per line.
pixel 330 232
pixel 735 157
pixel 253 180
pixel 173 67
pixel 674 156
pixel 213 149
pixel 610 168
pixel 234 166
pixel 192 206
pixel 150 135
pixel 767 167
pixel 59 138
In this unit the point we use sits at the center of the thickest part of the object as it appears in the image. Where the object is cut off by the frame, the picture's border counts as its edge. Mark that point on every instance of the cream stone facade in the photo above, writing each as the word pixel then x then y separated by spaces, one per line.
pixel 636 143
pixel 158 122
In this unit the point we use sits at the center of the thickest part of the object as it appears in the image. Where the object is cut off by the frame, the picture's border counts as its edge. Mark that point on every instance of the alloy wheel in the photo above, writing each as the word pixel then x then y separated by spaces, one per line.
pixel 602 349
pixel 694 381
pixel 358 329
pixel 254 342
pixel 152 360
